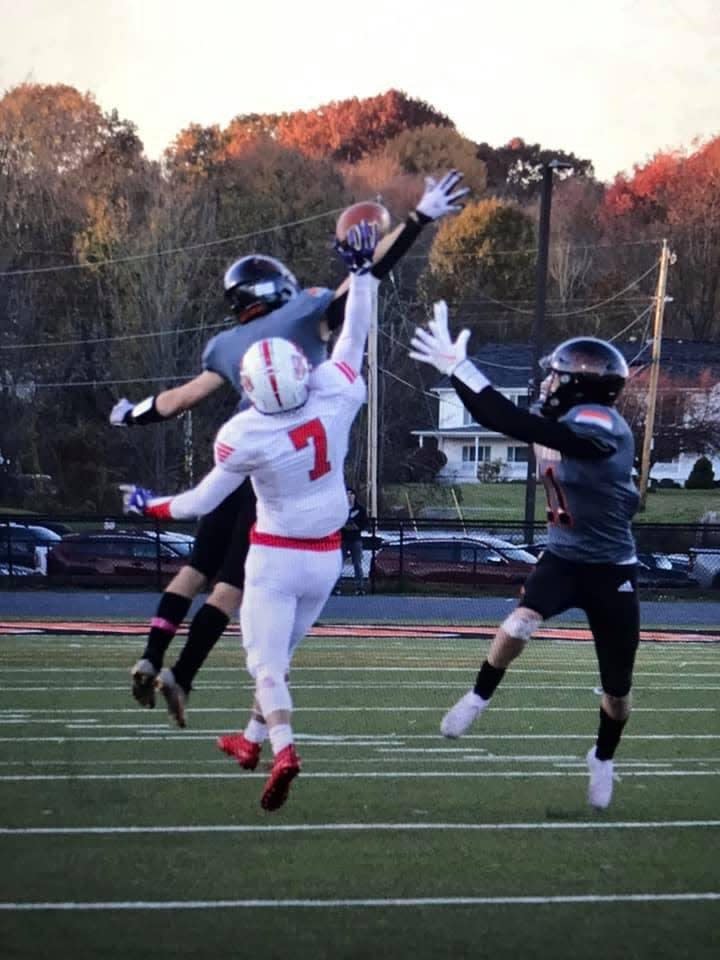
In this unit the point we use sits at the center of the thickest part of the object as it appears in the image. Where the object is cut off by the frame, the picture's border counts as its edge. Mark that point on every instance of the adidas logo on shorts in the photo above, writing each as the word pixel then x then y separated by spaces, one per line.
pixel 625 587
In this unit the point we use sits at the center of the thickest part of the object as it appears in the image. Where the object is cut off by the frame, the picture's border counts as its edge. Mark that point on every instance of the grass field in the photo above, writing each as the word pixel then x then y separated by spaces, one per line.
pixel 123 837
pixel 506 501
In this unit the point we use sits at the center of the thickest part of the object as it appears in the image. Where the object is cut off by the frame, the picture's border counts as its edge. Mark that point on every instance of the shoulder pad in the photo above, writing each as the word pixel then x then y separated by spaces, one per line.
pixel 593 417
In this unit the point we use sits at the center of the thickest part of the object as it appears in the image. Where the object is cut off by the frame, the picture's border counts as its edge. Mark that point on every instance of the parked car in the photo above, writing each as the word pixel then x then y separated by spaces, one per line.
pixel 462 560
pixel 182 542
pixel 18 542
pixel 16 571
pixel 115 558
pixel 705 566
pixel 657 570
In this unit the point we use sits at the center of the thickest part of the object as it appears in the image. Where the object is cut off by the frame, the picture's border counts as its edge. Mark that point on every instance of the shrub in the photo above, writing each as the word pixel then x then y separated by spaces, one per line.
pixel 701 476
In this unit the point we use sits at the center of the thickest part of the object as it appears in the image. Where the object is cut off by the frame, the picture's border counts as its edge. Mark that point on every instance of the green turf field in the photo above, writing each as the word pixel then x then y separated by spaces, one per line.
pixel 122 837
pixel 506 501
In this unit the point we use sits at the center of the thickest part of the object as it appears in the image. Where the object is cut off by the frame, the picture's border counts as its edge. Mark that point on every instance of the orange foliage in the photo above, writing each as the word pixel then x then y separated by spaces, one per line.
pixel 342 130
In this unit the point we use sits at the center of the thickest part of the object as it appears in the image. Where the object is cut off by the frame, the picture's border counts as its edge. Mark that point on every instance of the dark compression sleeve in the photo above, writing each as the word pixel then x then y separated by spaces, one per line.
pixel 490 408
pixel 404 240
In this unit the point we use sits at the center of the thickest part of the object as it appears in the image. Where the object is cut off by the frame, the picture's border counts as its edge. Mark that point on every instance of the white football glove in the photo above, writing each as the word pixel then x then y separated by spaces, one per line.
pixel 135 499
pixel 442 197
pixel 434 345
pixel 120 411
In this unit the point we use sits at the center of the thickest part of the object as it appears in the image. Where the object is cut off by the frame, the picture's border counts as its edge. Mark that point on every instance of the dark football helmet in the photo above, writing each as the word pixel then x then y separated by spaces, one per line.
pixel 581 370
pixel 256 284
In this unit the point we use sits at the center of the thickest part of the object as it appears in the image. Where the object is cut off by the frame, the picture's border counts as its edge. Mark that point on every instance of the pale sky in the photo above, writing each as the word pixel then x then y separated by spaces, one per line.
pixel 613 81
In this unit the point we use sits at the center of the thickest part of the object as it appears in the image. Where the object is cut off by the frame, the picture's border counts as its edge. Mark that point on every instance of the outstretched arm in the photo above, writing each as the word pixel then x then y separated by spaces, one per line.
pixel 440 198
pixel 214 487
pixel 361 304
pixel 487 405
pixel 360 309
pixel 167 403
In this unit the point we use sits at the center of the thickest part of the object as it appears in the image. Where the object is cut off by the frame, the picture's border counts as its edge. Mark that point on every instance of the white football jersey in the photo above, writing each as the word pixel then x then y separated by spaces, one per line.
pixel 296 459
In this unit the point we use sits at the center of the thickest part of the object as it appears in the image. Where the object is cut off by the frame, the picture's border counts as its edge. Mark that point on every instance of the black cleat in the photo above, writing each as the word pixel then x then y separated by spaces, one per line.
pixel 143 683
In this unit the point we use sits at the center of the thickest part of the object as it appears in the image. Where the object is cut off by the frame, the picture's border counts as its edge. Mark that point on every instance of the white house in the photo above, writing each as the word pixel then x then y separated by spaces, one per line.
pixel 475 453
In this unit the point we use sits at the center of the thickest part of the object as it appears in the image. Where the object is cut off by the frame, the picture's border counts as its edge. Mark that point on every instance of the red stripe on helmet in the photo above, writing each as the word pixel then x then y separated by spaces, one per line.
pixel 265 346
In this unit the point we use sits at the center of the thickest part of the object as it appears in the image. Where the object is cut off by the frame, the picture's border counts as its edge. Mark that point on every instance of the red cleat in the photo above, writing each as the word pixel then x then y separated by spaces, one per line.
pixel 243 750
pixel 285 768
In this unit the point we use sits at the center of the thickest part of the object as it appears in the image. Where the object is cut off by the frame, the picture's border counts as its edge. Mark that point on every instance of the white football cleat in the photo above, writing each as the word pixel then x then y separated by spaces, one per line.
pixel 460 718
pixel 600 787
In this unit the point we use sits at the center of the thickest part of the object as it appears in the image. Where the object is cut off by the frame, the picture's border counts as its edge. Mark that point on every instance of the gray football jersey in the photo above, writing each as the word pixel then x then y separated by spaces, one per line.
pixel 297 320
pixel 591 503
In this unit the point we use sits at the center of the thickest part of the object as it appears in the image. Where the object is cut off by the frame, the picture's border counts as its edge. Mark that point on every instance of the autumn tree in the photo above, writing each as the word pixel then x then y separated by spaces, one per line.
pixel 484 254
pixel 677 196
pixel 342 130
pixel 515 171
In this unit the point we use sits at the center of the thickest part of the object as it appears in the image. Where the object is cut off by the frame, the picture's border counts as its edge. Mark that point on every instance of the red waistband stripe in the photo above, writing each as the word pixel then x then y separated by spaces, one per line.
pixel 316 544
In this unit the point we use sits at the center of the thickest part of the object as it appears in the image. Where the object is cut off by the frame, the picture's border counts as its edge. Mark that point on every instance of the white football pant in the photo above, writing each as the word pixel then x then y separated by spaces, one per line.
pixel 285 591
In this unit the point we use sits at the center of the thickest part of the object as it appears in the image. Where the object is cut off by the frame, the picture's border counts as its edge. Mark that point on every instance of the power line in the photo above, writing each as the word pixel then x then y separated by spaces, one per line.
pixel 171 250
pixel 96 383
pixel 526 251
pixel 116 339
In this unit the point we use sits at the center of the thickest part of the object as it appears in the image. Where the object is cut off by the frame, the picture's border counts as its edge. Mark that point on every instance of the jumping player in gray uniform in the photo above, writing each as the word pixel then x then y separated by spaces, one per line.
pixel 585 458
pixel 267 301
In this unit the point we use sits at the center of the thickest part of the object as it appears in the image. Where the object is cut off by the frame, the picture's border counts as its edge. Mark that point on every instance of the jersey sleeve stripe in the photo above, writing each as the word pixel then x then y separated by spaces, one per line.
pixel 345 368
pixel 594 417
pixel 223 451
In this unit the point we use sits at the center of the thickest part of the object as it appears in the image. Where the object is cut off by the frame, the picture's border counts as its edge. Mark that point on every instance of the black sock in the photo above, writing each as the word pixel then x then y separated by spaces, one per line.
pixel 487 680
pixel 206 629
pixel 609 733
pixel 170 614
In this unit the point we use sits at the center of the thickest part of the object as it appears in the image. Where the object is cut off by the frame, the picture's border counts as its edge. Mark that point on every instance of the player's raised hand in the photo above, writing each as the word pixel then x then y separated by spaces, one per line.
pixel 135 498
pixel 435 346
pixel 119 413
pixel 357 249
pixel 442 197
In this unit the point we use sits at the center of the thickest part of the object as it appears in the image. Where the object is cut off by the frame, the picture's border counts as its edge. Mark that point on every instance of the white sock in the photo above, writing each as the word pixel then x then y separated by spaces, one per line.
pixel 255 731
pixel 281 736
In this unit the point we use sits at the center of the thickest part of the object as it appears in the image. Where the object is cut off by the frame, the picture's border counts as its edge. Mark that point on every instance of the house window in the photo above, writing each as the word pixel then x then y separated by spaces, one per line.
pixel 467 418
pixel 671 413
pixel 517 454
pixel 468 454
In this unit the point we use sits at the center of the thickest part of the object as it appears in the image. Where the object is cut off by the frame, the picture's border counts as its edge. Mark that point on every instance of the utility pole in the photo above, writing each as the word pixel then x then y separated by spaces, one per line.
pixel 188 449
pixel 660 299
pixel 537 330
pixel 372 413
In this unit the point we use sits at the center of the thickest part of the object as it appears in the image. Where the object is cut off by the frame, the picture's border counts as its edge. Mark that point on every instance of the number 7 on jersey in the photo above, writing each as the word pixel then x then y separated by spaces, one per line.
pixel 313 431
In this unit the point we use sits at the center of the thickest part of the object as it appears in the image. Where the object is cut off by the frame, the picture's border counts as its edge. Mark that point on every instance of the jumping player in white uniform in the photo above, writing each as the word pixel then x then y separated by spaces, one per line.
pixel 292 443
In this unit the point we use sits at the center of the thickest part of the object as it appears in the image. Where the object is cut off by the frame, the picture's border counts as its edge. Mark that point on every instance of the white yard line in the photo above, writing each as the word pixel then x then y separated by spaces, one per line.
pixel 396 754
pixel 344 774
pixel 165 733
pixel 14 713
pixel 382 902
pixel 206 688
pixel 558 671
pixel 363 827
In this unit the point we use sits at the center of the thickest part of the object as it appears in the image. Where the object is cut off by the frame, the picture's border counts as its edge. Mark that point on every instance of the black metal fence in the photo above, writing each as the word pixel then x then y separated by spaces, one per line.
pixel 53 551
